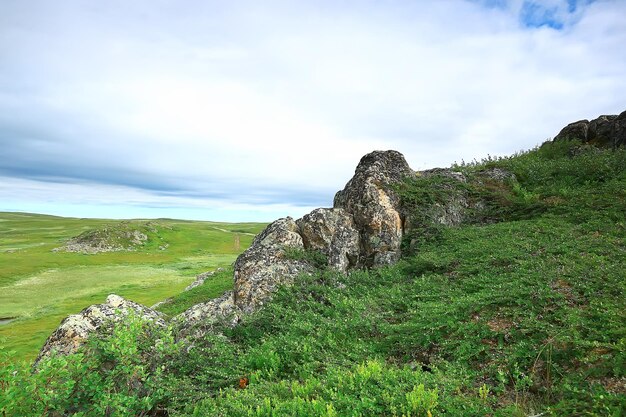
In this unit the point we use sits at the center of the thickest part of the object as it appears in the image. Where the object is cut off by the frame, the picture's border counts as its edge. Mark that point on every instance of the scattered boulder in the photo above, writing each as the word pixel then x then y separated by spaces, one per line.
pixel 605 131
pixel 331 232
pixel 74 330
pixel 266 264
pixel 375 206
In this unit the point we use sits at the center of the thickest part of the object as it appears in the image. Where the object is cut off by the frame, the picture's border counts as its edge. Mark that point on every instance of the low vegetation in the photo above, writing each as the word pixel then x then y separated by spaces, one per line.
pixel 519 314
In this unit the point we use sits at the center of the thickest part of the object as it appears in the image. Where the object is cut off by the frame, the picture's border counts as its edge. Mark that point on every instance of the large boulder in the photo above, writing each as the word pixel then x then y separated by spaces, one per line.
pixel 267 263
pixel 370 197
pixel 605 131
pixel 574 131
pixel 331 232
pixel 74 330
pixel 619 130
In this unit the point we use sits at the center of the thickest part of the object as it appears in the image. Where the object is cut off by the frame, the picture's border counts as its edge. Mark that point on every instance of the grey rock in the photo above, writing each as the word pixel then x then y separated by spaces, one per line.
pixel 600 131
pixel 604 131
pixel 200 318
pixel 375 206
pixel 619 130
pixel 266 264
pixel 74 330
pixel 574 131
pixel 201 278
pixel 333 233
pixel 451 210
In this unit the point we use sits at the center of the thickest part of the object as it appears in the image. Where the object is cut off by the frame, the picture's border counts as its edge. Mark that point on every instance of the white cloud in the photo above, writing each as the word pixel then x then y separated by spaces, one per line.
pixel 253 102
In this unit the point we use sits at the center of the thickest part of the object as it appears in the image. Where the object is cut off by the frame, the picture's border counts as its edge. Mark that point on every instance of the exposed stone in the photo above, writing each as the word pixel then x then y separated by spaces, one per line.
pixel 451 210
pixel 600 132
pixel 74 330
pixel 605 131
pixel 574 131
pixel 497 174
pixel 201 278
pixel 331 232
pixel 266 264
pixel 375 206
pixel 619 130
pixel 201 317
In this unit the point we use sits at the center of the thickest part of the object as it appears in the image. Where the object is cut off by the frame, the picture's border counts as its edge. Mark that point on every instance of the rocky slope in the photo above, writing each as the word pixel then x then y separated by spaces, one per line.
pixel 364 228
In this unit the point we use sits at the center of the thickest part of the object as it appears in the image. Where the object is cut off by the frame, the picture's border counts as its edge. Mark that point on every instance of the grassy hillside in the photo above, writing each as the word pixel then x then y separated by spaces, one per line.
pixel 40 286
pixel 521 313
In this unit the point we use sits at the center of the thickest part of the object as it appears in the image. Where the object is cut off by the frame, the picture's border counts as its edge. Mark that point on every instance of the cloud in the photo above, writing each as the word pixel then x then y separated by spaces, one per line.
pixel 271 105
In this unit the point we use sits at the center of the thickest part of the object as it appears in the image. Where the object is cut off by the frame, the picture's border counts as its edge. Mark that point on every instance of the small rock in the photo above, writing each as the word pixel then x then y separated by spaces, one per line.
pixel 74 330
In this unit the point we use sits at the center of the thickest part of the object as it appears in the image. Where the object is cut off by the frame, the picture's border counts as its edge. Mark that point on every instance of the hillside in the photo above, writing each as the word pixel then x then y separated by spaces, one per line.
pixel 41 284
pixel 506 297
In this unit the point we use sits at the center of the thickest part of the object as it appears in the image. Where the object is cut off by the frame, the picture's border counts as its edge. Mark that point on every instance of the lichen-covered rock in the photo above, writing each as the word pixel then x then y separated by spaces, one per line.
pixel 375 206
pixel 451 208
pixel 199 318
pixel 333 233
pixel 266 264
pixel 74 330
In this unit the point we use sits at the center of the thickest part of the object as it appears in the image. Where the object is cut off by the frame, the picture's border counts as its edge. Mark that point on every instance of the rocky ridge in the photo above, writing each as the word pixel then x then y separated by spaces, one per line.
pixel 604 131
pixel 364 228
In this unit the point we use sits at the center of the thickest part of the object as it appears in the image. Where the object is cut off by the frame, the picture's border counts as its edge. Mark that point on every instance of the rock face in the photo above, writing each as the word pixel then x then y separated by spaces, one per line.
pixel 452 210
pixel 201 317
pixel 605 131
pixel 369 197
pixel 364 229
pixel 75 329
pixel 331 232
pixel 267 264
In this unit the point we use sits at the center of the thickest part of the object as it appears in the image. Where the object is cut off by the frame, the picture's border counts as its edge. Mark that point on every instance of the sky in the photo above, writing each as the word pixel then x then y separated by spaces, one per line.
pixel 251 111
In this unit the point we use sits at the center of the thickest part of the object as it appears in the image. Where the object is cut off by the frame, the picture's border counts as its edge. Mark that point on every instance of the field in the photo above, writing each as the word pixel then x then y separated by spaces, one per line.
pixel 39 287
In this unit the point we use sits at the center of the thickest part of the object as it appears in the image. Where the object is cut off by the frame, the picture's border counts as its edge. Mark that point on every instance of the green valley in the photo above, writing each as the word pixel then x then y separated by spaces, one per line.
pixel 40 285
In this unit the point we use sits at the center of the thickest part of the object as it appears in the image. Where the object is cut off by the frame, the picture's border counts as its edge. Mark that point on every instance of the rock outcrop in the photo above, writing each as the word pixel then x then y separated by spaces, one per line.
pixel 369 197
pixel 267 263
pixel 333 233
pixel 605 131
pixel 74 330
pixel 364 229
pixel 202 317
pixel 123 236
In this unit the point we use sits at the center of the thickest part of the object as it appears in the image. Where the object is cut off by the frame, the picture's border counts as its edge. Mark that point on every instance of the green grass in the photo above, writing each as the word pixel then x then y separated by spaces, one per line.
pixel 212 287
pixel 39 287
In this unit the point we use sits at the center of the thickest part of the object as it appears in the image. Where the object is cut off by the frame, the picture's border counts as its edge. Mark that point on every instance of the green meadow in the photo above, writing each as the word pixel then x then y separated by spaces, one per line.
pixel 39 286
